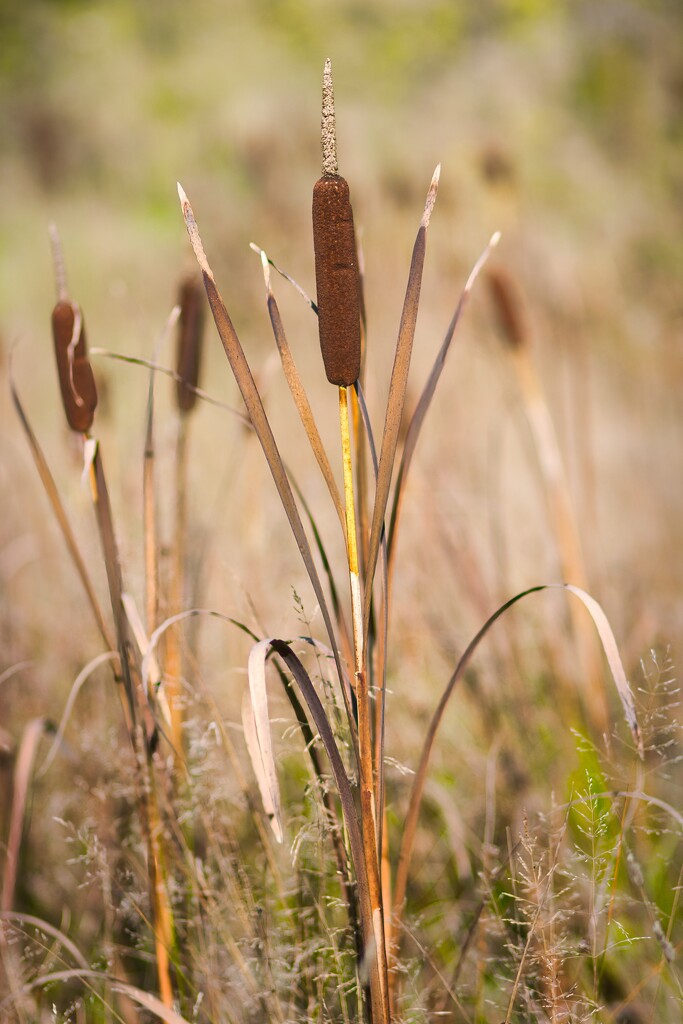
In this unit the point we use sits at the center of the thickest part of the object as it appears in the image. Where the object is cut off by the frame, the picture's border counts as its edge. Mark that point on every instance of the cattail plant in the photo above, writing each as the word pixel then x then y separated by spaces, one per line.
pixel 190 331
pixel 513 321
pixel 229 959
pixel 338 300
pixel 336 259
pixel 76 380
pixel 190 335
pixel 380 904
pixel 79 398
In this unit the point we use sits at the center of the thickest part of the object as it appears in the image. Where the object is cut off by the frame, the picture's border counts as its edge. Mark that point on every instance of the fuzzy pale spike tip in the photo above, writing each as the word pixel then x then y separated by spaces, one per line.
pixel 431 196
pixel 328 127
pixel 58 263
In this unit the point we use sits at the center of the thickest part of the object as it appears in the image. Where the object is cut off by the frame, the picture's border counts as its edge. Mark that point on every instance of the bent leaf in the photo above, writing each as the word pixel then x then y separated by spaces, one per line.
pixel 257 735
pixel 609 646
pixel 619 676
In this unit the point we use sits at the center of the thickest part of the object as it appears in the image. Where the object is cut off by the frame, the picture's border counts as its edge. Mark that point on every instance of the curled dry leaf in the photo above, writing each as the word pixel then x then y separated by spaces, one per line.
pixel 257 735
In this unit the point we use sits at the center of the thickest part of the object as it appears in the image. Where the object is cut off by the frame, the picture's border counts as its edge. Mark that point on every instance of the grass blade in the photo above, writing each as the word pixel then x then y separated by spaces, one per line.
pixel 299 394
pixel 424 402
pixel 149 1002
pixel 397 393
pixel 23 770
pixel 515 329
pixel 611 652
pixel 609 646
pixel 78 683
pixel 52 493
pixel 204 396
pixel 297 287
pixel 257 415
pixel 105 524
pixel 371 950
pixel 30 921
pixel 261 753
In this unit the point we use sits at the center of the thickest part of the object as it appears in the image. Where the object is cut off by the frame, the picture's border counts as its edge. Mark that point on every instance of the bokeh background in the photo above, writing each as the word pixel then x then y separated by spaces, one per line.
pixel 559 123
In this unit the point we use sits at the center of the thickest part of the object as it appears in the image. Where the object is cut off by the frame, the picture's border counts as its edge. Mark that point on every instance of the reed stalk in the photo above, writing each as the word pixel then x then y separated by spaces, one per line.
pixel 515 329
pixel 79 398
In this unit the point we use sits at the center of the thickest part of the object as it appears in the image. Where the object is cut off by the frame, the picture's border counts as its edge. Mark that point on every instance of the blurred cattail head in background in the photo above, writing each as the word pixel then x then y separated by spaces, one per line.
pixel 189 346
pixel 509 307
pixel 76 380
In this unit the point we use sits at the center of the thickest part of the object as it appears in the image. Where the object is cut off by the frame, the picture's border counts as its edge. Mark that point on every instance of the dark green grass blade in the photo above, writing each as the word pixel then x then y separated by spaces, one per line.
pixel 397 393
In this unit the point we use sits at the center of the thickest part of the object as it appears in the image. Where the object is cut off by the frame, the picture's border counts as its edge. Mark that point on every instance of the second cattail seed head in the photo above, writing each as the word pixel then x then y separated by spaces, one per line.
pixel 76 379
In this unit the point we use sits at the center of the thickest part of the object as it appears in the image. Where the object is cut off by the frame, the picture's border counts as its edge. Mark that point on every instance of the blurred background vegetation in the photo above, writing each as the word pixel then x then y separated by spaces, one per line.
pixel 559 122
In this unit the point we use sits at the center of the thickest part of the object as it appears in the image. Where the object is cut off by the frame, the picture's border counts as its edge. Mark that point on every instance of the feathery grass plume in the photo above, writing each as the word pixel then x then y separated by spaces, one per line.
pixel 514 323
pixel 336 258
pixel 76 380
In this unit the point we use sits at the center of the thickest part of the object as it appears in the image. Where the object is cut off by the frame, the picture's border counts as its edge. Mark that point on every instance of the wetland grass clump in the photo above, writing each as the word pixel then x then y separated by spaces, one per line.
pixel 309 903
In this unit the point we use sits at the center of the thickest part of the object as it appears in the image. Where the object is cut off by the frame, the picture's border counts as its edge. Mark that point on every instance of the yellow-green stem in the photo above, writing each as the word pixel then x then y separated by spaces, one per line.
pixel 351 536
pixel 366 767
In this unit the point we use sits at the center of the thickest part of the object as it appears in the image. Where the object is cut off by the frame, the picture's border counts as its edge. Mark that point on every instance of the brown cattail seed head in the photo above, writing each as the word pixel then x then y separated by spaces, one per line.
pixel 76 380
pixel 509 308
pixel 337 283
pixel 189 348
